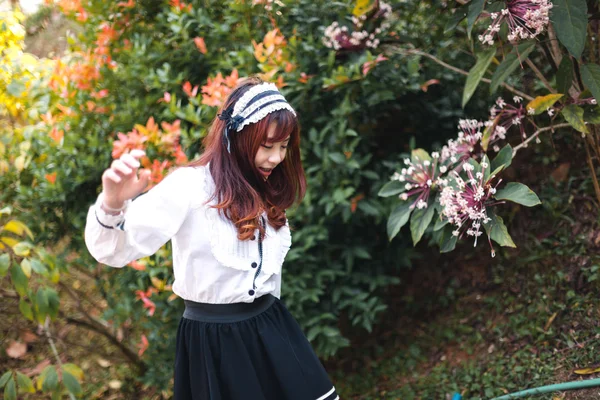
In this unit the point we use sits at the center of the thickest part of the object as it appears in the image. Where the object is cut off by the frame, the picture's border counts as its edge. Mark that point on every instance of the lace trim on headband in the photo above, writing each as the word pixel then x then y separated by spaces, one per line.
pixel 260 114
pixel 241 104
pixel 257 104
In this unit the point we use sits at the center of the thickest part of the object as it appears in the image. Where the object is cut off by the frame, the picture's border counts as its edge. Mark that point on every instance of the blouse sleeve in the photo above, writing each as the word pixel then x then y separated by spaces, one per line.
pixel 145 225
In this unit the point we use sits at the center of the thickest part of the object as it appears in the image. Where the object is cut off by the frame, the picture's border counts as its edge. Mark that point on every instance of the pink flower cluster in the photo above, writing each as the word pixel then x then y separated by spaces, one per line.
pixel 526 19
pixel 466 144
pixel 464 204
pixel 339 37
pixel 420 176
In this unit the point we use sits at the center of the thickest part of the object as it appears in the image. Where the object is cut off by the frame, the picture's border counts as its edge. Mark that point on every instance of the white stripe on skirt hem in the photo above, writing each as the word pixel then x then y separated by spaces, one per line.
pixel 328 393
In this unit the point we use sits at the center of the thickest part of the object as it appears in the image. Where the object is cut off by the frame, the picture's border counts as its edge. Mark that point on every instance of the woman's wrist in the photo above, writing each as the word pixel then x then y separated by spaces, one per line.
pixel 112 210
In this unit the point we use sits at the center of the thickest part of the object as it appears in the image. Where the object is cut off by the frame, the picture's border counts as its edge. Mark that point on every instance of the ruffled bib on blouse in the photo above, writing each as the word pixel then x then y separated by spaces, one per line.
pixel 231 252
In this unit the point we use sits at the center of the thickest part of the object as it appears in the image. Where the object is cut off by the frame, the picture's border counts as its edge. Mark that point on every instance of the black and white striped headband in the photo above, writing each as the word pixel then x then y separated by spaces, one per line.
pixel 258 102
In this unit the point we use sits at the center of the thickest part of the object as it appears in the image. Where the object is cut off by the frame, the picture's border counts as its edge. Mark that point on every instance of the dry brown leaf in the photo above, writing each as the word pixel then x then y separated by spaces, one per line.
pixel 37 369
pixel 561 173
pixel 28 337
pixel 550 320
pixel 16 349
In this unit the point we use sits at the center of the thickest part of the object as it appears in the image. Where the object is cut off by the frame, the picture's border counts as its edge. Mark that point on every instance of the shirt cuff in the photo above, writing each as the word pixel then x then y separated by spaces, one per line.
pixel 108 220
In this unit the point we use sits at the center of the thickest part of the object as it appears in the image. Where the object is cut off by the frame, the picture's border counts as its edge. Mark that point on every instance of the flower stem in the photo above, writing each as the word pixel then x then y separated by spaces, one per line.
pixel 463 72
pixel 541 76
pixel 53 347
pixel 593 171
pixel 536 134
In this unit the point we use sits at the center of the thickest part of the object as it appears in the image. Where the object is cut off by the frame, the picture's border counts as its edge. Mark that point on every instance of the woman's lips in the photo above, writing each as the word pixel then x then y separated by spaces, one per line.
pixel 265 172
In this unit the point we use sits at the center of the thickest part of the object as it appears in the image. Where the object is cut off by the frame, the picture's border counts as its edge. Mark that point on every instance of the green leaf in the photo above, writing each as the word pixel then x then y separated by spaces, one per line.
pixel 497 231
pixel 591 115
pixel 511 62
pixel 542 103
pixel 419 222
pixel 392 188
pixel 590 74
pixel 475 8
pixel 5 377
pixel 25 384
pixel 398 218
pixel 487 133
pixel 37 266
pixel 10 390
pixel 338 158
pixel 4 264
pixel 574 116
pixel 25 309
pixel 518 193
pixel 440 223
pixel 476 73
pixel 569 18
pixel 71 383
pixel 564 75
pixel 448 240
pixel 459 14
pixel 19 279
pixel 360 252
pixel 419 155
pixel 53 302
pixel 42 304
pixel 49 379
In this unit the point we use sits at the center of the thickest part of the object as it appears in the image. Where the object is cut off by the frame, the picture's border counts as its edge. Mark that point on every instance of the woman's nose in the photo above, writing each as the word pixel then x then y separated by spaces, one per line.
pixel 275 157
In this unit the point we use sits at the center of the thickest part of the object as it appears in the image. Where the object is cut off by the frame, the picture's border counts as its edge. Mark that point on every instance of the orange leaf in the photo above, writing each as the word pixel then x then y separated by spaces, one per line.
pixel 200 44
pixel 129 4
pixel 57 135
pixel 143 345
pixel 430 82
pixel 51 177
pixel 137 265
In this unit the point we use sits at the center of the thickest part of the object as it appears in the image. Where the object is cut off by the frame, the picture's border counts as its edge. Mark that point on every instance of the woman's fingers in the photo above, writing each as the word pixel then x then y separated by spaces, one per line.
pixel 137 153
pixel 130 161
pixel 112 175
pixel 120 167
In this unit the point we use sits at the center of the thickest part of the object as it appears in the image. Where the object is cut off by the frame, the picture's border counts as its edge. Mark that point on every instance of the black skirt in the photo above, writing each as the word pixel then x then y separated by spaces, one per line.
pixel 246 351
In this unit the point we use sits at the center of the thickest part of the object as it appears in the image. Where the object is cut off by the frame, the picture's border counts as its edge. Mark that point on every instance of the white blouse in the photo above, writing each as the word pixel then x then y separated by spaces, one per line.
pixel 210 264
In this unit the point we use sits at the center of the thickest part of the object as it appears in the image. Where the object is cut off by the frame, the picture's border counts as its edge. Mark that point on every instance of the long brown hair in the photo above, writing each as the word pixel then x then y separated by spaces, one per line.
pixel 241 192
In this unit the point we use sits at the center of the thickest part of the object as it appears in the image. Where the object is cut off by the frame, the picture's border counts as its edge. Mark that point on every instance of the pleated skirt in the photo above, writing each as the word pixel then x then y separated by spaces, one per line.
pixel 246 351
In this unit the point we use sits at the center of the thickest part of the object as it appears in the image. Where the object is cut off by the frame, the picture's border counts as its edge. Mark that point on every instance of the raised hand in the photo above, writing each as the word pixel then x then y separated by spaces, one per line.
pixel 121 182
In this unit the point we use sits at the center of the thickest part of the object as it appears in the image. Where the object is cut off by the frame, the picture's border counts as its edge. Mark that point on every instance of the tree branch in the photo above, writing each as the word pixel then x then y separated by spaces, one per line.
pixel 536 134
pixel 463 72
pixel 99 328
pixel 592 170
pixel 540 76
pixel 556 53
pixel 53 347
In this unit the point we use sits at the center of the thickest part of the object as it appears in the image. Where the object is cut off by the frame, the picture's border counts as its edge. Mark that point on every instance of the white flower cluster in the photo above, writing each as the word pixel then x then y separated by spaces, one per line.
pixel 468 136
pixel 526 19
pixel 338 37
pixel 464 206
pixel 268 3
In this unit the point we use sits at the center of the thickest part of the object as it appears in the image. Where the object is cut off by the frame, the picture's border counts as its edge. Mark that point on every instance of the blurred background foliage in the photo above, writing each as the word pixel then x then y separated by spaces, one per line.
pixel 150 74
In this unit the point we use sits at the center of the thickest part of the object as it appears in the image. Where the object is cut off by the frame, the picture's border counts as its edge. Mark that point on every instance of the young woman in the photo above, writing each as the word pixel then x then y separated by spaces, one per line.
pixel 225 215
